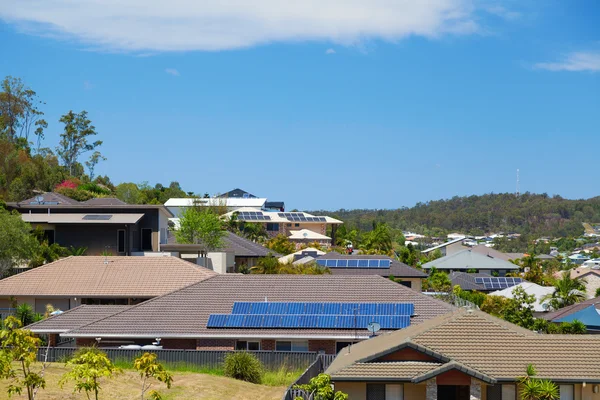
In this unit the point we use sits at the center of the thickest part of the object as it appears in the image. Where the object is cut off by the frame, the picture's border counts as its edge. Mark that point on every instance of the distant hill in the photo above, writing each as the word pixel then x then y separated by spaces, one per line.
pixel 528 213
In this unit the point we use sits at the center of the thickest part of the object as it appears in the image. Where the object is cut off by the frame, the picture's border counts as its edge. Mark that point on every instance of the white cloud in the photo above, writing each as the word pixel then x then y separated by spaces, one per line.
pixel 575 62
pixel 172 71
pixel 330 51
pixel 179 25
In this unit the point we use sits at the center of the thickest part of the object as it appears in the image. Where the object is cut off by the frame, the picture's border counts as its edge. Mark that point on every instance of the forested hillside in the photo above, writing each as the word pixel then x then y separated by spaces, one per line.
pixel 528 213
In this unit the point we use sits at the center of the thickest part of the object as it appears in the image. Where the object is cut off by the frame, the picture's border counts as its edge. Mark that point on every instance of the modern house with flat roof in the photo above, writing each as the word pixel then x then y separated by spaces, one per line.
pixel 465 355
pixel 72 281
pixel 104 225
pixel 470 261
pixel 362 264
pixel 266 312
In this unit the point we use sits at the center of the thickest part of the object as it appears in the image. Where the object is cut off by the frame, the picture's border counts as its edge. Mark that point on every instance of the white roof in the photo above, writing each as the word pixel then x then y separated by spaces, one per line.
pixel 304 260
pixel 532 289
pixel 274 216
pixel 439 246
pixel 290 257
pixel 82 218
pixel 306 234
pixel 252 202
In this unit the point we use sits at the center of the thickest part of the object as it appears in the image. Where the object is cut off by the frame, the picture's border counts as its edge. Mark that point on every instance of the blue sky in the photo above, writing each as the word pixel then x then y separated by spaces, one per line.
pixel 326 104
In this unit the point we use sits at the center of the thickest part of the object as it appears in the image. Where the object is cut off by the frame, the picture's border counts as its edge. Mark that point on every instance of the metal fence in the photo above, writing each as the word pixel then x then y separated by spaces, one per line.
pixel 202 358
pixel 318 366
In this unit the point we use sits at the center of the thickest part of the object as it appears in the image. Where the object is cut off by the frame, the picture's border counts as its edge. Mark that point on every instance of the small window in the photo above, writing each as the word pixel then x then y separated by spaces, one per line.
pixel 121 241
pixel 375 391
pixel 271 227
pixel 296 225
pixel 288 225
pixel 245 345
pixel 291 345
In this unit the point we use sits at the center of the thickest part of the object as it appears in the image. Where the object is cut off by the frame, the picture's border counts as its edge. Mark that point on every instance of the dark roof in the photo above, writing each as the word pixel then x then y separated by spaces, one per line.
pixel 49 197
pixel 275 204
pixel 490 251
pixel 243 247
pixel 237 193
pixel 75 318
pixel 565 311
pixel 397 268
pixel 105 201
pixel 466 281
pixel 185 312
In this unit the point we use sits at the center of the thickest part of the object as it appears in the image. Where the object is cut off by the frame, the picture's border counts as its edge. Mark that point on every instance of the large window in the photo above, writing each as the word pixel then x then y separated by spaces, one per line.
pixel 146 239
pixel 272 227
pixel 245 345
pixel 296 345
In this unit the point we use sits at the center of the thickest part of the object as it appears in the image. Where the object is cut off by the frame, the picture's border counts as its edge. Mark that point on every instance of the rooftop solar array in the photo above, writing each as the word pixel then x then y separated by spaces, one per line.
pixel 497 283
pixel 299 308
pixel 313 315
pixel 253 216
pixel 92 217
pixel 306 321
pixel 354 263
pixel 300 217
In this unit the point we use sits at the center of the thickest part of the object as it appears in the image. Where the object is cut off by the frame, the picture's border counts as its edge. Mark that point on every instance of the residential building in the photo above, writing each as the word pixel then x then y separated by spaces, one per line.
pixel 361 264
pixel 465 355
pixel 105 225
pixel 587 312
pixel 300 227
pixel 300 254
pixel 482 282
pixel 589 276
pixel 450 247
pixel 72 281
pixel 267 312
pixel 540 294
pixel 471 261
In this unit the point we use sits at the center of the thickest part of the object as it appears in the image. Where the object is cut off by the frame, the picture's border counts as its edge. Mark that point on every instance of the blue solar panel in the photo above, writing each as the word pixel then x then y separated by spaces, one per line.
pixel 384 263
pixel 348 309
pixel 313 308
pixel 241 308
pixel 352 263
pixel 345 321
pixel 363 263
pixel 235 321
pixel 374 263
pixel 253 321
pixel 368 309
pixel 272 321
pixel 385 309
pixel 342 263
pixel 278 308
pixel 295 308
pixel 216 320
pixel 307 321
pixel 259 308
pixel 495 283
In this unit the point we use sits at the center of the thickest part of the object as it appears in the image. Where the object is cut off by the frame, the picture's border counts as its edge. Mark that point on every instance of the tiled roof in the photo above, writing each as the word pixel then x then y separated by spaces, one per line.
pixel 184 313
pixel 466 281
pixel 397 268
pixel 74 318
pixel 487 345
pixel 467 259
pixel 50 197
pixel 105 201
pixel 90 276
pixel 483 249
pixel 243 247
pixel 386 370
pixel 565 311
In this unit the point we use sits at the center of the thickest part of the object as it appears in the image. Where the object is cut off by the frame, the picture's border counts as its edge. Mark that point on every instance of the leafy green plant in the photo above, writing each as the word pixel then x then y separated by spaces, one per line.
pixel 24 313
pixel 243 366
pixel 89 365
pixel 149 368
pixel 532 388
pixel 321 389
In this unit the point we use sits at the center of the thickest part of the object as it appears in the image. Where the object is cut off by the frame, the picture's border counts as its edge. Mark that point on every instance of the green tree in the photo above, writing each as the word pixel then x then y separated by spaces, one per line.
pixel 320 388
pixel 17 244
pixel 438 281
pixel 253 231
pixel 281 244
pixel 379 239
pixel 532 388
pixel 495 305
pixel 74 139
pixel 129 193
pixel 17 354
pixel 567 291
pixel 88 366
pixel 148 367
pixel 519 309
pixel 266 265
pixel 200 225
pixel 95 158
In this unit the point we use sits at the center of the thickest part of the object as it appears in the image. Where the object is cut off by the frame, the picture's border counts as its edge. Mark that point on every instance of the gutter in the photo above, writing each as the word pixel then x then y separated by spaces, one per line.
pixel 166 335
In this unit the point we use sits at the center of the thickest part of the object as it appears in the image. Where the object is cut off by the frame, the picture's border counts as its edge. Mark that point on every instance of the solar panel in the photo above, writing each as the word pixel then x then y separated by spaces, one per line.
pixel 354 263
pixel 307 321
pixel 94 217
pixel 495 283
pixel 216 320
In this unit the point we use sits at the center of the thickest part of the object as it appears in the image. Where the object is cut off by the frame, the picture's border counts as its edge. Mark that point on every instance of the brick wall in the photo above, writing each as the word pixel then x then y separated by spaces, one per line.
pixel 85 342
pixel 328 346
pixel 178 344
pixel 267 345
pixel 215 344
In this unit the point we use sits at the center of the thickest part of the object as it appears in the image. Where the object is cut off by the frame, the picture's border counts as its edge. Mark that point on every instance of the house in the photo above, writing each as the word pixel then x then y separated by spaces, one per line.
pixel 267 312
pixel 450 247
pixel 590 277
pixel 465 355
pixel 472 261
pixel 72 281
pixel 490 251
pixel 300 254
pixel 482 282
pixel 361 264
pixel 587 312
pixel 539 292
pixel 104 225
pixel 300 227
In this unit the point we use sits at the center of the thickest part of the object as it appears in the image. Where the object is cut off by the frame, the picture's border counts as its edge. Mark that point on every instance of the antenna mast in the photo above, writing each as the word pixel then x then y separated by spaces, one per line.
pixel 517 192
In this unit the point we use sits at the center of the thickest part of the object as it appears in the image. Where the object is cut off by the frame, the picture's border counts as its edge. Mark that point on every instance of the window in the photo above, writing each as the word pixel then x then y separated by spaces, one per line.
pixel 244 345
pixel 394 392
pixel 509 392
pixel 271 227
pixel 408 284
pixel 296 225
pixel 301 345
pixel 376 391
pixel 121 241
pixel 146 239
pixel 288 225
pixel 339 346
pixel 566 392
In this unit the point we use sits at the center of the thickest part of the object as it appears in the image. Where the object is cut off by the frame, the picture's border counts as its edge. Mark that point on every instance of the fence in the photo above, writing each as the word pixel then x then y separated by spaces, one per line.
pixel 203 358
pixel 314 369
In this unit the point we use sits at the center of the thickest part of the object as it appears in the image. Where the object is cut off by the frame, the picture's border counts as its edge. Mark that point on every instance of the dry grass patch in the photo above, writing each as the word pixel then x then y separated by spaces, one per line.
pixel 126 386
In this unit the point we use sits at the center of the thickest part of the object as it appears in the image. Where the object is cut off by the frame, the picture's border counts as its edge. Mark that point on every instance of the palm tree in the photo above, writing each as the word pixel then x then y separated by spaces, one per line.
pixel 379 239
pixel 254 232
pixel 533 388
pixel 567 291
pixel 266 265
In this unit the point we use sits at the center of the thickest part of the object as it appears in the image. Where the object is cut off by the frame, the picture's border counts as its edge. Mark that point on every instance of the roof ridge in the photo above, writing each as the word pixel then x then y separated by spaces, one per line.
pixel 54 316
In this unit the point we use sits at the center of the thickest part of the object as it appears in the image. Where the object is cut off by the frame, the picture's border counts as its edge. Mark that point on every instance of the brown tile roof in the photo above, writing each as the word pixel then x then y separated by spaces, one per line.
pixel 487 345
pixel 397 268
pixel 89 276
pixel 75 318
pixel 386 370
pixel 105 201
pixel 184 313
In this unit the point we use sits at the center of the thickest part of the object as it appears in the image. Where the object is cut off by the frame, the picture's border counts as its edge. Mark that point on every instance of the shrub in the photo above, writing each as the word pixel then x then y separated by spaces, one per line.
pixel 67 184
pixel 94 188
pixel 79 195
pixel 243 366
